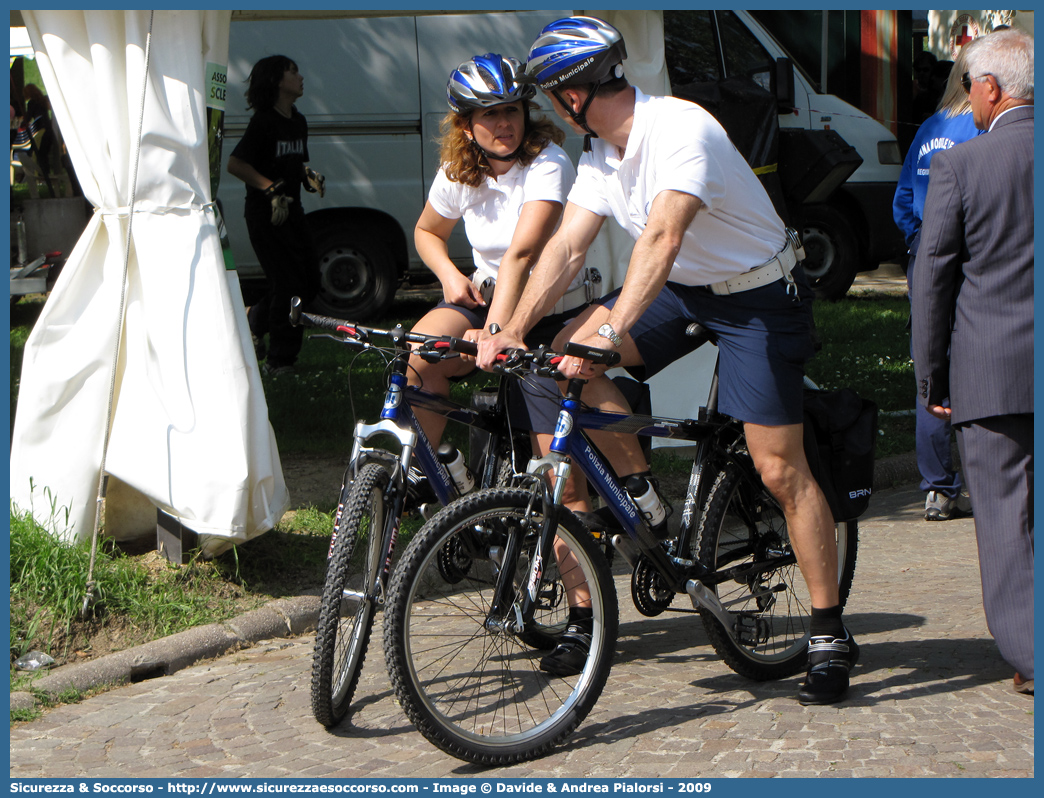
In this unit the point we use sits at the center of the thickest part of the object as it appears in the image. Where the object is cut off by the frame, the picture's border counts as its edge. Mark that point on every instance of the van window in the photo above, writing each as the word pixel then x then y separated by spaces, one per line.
pixel 744 54
pixel 689 48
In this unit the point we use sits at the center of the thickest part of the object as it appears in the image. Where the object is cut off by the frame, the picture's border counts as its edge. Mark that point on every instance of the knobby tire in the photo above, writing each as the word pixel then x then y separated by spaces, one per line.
pixel 345 622
pixel 475 690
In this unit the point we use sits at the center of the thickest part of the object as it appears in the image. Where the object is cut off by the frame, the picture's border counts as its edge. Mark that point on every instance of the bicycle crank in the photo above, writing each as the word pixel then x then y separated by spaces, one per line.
pixel 650 593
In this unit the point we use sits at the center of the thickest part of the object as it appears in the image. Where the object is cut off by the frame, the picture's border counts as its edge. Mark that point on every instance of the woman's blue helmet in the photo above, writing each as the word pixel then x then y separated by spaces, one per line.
pixel 486 80
pixel 575 51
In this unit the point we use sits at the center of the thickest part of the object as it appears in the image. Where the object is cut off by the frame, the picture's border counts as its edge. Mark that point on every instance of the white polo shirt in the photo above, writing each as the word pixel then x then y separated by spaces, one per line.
pixel 677 145
pixel 491 209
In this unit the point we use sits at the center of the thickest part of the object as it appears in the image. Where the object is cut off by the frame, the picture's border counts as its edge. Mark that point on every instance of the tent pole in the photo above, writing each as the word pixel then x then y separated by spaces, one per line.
pixel 88 598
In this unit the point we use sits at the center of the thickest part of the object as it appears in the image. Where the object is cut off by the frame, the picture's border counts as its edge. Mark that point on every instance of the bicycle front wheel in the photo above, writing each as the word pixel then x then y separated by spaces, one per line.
pixel 468 678
pixel 743 524
pixel 350 594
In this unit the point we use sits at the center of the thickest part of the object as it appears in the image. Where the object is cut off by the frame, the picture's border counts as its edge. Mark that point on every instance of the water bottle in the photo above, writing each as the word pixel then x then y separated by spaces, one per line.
pixel 451 457
pixel 644 495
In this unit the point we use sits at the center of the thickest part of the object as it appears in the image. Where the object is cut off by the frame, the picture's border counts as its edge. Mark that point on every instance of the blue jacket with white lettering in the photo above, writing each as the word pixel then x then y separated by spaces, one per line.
pixel 939 132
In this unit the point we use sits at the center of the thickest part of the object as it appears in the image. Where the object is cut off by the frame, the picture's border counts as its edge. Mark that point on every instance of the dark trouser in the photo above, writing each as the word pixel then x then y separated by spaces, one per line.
pixel 997 456
pixel 287 257
pixel 933 439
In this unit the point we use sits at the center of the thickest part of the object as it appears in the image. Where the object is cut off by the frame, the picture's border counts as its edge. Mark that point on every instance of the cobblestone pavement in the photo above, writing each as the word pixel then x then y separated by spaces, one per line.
pixel 930 697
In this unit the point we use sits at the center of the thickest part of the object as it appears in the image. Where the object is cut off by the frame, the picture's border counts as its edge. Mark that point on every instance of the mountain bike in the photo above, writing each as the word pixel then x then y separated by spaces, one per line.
pixel 457 648
pixel 378 482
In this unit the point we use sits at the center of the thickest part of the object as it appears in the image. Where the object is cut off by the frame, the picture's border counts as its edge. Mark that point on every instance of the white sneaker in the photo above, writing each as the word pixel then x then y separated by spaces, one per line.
pixel 940 507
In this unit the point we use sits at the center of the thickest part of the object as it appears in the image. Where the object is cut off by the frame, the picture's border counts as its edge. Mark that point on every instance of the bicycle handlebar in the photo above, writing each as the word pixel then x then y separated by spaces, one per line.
pixel 356 333
pixel 542 358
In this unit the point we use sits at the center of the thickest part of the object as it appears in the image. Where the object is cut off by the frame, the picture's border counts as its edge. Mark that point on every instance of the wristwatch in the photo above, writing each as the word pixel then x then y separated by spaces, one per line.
pixel 607 331
pixel 493 328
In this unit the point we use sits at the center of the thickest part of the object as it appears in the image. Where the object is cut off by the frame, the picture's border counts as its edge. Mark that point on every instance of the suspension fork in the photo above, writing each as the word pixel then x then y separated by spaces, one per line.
pixel 548 502
pixel 505 611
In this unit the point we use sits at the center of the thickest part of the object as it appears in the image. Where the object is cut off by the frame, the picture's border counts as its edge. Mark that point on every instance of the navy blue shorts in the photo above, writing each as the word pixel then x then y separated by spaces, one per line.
pixel 764 339
pixel 533 403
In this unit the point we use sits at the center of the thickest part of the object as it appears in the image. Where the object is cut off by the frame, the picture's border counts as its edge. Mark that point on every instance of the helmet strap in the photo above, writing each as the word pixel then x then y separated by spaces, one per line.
pixel 580 117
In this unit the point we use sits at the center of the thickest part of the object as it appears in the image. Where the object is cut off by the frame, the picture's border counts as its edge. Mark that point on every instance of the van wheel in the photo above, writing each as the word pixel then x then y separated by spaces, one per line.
pixel 831 251
pixel 356 273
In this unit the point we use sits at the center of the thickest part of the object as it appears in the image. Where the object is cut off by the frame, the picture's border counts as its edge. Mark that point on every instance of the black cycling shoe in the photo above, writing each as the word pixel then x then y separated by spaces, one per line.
pixel 570 656
pixel 829 661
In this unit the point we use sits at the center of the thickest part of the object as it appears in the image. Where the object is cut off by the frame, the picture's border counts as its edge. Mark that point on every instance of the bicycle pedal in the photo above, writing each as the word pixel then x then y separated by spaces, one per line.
pixel 751 631
pixel 550 596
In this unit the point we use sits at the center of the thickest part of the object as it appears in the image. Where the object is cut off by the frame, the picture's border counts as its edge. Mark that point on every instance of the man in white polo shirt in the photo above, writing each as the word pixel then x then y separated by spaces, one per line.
pixel 709 247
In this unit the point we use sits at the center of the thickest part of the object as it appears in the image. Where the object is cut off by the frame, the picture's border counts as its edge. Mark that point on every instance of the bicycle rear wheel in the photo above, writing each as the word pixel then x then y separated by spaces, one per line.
pixel 743 524
pixel 470 682
pixel 350 594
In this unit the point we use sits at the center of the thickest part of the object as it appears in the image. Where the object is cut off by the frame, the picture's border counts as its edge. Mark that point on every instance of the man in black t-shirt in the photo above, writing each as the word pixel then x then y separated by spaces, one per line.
pixel 272 160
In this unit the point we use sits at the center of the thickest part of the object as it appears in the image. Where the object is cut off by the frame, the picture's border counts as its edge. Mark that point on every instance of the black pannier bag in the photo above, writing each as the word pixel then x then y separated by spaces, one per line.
pixel 840 438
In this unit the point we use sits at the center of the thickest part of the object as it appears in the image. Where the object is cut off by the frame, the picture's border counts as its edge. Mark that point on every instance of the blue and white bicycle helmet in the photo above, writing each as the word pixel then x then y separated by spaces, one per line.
pixel 486 80
pixel 576 51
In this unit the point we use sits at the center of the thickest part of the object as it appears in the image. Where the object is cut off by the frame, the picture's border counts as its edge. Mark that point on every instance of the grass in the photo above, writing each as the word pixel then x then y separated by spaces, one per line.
pixel 150 598
pixel 141 597
pixel 866 346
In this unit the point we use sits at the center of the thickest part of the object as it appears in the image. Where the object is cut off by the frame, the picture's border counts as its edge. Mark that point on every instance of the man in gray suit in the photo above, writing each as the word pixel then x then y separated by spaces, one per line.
pixel 972 299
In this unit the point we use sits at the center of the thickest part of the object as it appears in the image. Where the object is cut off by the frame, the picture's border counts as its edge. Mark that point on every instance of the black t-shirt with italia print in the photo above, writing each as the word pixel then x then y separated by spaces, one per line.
pixel 277 147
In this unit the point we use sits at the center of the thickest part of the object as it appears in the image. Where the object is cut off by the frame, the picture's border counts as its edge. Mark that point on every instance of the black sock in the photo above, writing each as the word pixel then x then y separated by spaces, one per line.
pixel 583 616
pixel 827 622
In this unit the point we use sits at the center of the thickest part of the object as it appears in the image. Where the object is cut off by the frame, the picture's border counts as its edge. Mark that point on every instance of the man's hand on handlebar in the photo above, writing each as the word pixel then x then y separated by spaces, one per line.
pixel 570 366
pixel 489 346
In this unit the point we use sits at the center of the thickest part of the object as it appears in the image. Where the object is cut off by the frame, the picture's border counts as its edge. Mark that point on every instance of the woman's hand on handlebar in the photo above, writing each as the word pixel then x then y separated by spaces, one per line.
pixel 489 346
pixel 459 290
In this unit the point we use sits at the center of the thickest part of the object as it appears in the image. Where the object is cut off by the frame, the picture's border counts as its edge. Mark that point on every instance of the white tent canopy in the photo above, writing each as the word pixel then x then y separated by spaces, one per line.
pixel 189 427
pixel 189 424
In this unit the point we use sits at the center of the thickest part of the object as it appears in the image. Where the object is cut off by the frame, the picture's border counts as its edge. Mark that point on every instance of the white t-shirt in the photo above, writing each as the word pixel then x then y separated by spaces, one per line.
pixel 674 144
pixel 491 209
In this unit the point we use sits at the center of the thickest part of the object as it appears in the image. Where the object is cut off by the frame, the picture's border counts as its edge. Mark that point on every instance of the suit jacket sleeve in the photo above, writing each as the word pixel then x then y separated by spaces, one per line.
pixel 937 280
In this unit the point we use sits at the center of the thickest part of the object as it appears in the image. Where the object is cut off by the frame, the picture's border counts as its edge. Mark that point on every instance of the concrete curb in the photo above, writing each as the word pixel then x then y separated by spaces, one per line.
pixel 280 618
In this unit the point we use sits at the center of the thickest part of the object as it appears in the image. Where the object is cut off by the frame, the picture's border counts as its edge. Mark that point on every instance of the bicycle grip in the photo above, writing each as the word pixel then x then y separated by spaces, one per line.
pixel 299 318
pixel 602 356
pixel 464 347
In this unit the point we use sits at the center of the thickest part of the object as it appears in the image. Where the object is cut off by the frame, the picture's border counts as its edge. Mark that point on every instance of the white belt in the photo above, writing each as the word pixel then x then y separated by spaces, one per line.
pixel 776 269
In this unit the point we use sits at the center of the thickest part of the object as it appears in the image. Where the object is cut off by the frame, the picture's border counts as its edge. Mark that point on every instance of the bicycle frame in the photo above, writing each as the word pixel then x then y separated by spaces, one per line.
pixel 715 436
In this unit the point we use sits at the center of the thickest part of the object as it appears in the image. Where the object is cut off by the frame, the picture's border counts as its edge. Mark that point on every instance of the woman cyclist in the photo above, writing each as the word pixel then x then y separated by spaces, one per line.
pixel 505 174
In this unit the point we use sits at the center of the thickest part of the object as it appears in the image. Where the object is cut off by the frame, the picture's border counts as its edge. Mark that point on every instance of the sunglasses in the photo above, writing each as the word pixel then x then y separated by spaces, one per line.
pixel 966 80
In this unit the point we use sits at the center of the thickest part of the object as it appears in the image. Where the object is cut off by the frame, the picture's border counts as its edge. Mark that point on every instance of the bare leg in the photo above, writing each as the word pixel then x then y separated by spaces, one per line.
pixel 435 377
pixel 623 451
pixel 779 457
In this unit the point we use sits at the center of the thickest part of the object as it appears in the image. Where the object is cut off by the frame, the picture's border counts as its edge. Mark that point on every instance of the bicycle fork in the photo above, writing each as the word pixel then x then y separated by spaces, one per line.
pixel 510 610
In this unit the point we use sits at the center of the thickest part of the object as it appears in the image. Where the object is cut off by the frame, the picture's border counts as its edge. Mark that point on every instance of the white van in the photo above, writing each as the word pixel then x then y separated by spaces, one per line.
pixel 375 93
pixel 852 230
